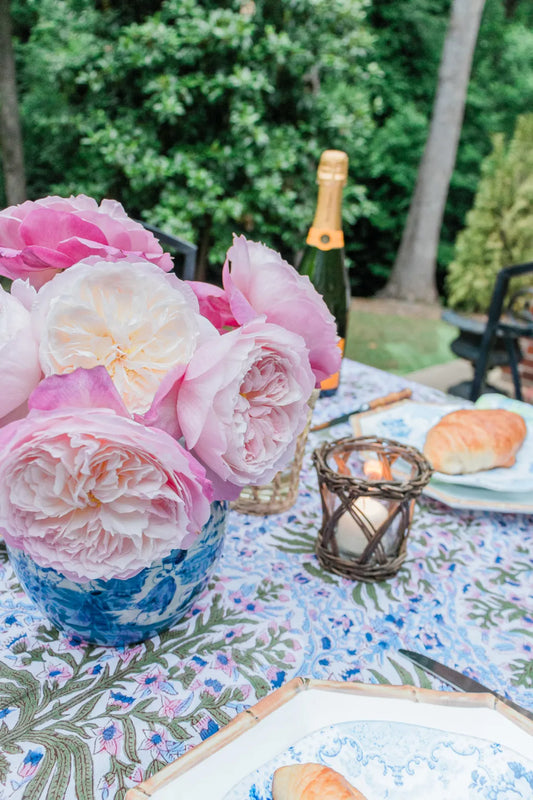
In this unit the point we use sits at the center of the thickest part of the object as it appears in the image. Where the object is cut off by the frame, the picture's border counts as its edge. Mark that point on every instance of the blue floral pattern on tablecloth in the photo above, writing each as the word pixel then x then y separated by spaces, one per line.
pixel 96 721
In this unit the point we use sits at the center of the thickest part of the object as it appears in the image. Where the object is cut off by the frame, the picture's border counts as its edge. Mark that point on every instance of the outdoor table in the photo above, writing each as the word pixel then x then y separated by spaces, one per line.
pixel 92 722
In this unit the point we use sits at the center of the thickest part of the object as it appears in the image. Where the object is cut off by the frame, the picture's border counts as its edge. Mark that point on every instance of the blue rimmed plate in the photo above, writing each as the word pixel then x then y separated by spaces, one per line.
pixel 403 761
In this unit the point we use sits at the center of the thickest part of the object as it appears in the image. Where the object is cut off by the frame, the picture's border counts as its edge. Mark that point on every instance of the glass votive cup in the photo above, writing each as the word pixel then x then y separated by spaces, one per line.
pixel 368 487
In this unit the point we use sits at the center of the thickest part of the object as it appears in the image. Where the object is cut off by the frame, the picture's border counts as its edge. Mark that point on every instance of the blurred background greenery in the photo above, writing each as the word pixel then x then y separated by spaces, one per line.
pixel 207 118
pixel 398 343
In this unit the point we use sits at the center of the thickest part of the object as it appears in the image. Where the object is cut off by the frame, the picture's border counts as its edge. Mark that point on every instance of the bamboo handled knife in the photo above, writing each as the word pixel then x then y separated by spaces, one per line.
pixel 456 679
pixel 388 399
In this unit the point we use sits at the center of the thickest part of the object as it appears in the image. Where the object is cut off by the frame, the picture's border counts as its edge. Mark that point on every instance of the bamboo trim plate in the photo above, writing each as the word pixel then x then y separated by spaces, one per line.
pixel 210 770
pixel 451 494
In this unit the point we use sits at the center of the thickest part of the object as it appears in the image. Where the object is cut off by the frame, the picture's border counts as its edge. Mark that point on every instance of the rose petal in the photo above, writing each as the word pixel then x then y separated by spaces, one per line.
pixel 53 233
pixel 83 388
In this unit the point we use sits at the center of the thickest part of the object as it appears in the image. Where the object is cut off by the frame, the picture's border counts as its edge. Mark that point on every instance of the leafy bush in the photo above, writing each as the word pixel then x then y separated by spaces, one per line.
pixel 499 228
pixel 204 118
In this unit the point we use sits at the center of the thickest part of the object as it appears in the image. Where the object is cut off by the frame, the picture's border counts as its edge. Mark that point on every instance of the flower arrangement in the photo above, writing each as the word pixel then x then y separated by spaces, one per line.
pixel 132 399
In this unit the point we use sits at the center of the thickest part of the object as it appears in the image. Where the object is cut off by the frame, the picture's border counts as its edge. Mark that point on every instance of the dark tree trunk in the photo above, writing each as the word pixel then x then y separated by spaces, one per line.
pixel 413 274
pixel 10 130
pixel 510 8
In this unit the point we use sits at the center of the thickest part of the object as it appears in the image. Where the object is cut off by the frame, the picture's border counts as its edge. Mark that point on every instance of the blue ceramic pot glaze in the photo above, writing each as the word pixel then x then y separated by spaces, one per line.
pixel 118 612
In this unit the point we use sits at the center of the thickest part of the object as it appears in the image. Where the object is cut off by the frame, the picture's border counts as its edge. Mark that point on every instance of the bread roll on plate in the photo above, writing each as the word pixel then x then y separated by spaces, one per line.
pixel 472 439
pixel 312 782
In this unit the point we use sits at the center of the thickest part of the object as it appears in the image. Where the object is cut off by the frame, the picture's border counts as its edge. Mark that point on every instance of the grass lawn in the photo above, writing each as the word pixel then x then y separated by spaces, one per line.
pixel 398 344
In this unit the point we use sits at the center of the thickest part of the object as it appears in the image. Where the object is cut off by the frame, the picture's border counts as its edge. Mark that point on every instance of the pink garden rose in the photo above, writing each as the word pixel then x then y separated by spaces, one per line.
pixel 241 404
pixel 19 358
pixel 90 492
pixel 214 305
pixel 39 238
pixel 258 281
pixel 129 316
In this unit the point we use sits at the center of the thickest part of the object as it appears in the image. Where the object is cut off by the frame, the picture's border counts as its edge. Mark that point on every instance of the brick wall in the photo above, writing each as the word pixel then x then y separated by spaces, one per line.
pixel 526 367
pixel 526 372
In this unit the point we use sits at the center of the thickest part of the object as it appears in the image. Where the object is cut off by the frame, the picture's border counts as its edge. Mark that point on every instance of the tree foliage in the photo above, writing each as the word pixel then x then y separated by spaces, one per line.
pixel 208 118
pixel 203 118
pixel 499 228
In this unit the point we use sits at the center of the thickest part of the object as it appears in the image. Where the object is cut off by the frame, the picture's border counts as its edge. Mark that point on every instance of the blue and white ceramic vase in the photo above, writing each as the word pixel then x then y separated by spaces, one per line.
pixel 118 612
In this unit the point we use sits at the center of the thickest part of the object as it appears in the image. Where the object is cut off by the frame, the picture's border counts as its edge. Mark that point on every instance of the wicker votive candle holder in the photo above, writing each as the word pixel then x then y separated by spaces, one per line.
pixel 368 488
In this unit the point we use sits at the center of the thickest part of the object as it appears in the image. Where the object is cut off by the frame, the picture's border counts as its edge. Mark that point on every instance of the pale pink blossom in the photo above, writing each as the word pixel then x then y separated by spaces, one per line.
pixel 56 673
pixel 157 739
pixel 152 681
pixel 94 494
pixel 258 281
pixel 129 653
pixel 172 707
pixel 242 403
pixel 38 238
pixel 225 662
pixel 137 776
pixel 129 316
pixel 109 738
pixel 289 657
pixel 19 358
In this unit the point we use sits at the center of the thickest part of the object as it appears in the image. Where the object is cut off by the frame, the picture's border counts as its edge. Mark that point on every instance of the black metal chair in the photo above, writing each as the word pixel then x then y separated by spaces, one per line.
pixel 184 249
pixel 495 341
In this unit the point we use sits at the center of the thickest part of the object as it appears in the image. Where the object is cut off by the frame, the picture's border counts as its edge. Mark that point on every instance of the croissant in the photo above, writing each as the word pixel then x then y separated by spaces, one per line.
pixel 472 439
pixel 312 782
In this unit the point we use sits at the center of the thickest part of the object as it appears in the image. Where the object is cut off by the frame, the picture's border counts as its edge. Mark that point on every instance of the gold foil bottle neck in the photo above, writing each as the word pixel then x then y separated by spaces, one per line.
pixel 333 166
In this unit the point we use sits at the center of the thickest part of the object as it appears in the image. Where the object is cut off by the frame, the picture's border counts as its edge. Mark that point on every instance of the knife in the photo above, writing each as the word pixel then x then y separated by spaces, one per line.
pixel 456 679
pixel 393 397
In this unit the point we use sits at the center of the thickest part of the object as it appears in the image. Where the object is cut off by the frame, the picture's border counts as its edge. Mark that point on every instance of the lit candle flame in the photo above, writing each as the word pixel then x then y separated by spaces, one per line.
pixel 373 469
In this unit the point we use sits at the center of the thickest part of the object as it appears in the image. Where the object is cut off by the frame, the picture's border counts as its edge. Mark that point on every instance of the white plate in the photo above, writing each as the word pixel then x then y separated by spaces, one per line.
pixel 468 497
pixel 402 761
pixel 288 716
pixel 409 422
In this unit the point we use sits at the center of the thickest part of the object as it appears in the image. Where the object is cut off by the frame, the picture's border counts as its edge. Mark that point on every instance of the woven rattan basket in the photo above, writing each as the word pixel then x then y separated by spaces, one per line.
pixel 281 493
pixel 385 547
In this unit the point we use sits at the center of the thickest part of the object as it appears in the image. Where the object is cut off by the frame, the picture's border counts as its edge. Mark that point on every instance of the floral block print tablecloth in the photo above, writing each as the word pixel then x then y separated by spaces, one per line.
pixel 91 722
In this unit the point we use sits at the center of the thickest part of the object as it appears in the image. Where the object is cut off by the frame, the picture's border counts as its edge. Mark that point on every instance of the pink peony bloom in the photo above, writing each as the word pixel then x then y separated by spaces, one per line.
pixel 214 305
pixel 94 494
pixel 39 238
pixel 242 403
pixel 19 357
pixel 258 281
pixel 128 316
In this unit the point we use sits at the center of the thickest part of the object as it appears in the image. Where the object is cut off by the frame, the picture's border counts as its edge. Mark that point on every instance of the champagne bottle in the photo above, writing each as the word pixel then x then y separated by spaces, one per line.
pixel 323 258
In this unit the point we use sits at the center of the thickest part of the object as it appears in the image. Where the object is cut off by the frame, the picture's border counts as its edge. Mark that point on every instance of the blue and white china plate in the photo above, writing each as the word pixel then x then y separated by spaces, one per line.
pixel 400 761
pixel 408 422
pixel 492 400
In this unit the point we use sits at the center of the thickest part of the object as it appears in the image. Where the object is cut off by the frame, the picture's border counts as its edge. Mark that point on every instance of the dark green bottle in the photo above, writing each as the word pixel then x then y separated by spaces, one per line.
pixel 323 258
